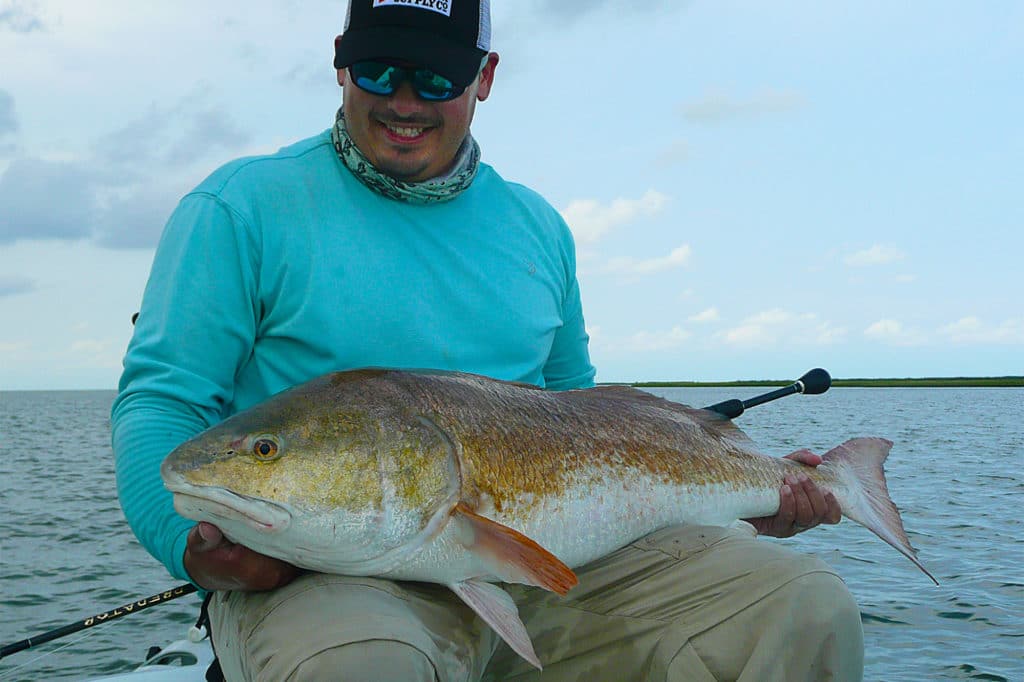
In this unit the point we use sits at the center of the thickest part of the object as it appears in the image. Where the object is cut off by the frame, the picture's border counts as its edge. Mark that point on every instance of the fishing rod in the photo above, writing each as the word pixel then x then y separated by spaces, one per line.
pixel 107 616
pixel 812 383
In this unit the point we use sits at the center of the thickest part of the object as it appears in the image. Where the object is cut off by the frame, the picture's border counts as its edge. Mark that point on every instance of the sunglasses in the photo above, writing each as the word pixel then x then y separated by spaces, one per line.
pixel 381 78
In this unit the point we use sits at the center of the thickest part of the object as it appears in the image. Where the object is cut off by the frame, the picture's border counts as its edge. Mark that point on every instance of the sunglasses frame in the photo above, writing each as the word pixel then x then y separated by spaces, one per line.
pixel 410 74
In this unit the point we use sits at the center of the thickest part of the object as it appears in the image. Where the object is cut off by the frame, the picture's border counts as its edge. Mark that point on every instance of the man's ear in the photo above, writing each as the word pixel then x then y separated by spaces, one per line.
pixel 483 91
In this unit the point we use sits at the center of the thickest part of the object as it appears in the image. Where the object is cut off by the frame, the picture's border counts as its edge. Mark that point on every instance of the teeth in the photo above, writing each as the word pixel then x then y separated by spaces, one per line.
pixel 405 132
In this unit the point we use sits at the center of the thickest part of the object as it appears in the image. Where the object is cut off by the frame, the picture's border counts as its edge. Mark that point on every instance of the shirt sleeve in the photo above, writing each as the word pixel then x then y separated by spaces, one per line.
pixel 568 366
pixel 195 329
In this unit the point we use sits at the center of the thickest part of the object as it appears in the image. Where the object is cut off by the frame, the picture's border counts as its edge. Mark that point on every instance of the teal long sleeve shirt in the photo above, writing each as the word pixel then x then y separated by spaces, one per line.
pixel 279 268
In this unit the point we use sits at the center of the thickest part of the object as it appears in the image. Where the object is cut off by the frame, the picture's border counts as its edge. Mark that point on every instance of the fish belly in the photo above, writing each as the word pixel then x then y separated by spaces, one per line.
pixel 589 522
pixel 593 522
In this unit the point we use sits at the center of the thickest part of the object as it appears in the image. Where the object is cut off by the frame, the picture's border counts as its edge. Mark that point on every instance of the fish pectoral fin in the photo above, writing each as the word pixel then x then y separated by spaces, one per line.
pixel 498 610
pixel 512 556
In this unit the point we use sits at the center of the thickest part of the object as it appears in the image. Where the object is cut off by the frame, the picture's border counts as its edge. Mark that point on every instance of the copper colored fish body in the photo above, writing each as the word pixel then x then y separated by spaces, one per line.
pixel 465 481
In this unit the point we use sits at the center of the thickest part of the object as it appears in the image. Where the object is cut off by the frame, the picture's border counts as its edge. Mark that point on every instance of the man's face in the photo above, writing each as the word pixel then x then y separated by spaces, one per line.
pixel 407 137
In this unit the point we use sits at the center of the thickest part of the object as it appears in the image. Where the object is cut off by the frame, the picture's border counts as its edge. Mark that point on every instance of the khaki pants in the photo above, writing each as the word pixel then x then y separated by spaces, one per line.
pixel 697 603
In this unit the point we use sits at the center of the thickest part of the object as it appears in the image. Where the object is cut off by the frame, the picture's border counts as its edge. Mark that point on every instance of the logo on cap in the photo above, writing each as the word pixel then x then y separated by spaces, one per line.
pixel 440 6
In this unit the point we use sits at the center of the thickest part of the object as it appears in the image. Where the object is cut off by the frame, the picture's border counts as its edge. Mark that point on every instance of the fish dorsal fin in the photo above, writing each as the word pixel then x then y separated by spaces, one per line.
pixel 497 609
pixel 465 376
pixel 723 427
pixel 713 422
pixel 632 395
pixel 512 556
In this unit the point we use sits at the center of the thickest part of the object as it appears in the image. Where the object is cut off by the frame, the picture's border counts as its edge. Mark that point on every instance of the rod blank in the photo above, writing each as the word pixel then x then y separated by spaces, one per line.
pixel 812 383
pixel 145 603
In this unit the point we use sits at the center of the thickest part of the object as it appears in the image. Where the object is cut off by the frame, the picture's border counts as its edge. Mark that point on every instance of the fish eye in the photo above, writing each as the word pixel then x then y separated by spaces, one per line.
pixel 265 449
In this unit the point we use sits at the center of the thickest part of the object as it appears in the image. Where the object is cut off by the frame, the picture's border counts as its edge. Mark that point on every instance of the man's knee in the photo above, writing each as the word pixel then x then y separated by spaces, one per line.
pixel 807 629
pixel 371 660
pixel 825 620
pixel 821 603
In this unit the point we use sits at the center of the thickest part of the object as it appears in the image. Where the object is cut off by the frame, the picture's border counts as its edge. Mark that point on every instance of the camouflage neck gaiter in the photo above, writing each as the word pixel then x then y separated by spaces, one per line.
pixel 436 190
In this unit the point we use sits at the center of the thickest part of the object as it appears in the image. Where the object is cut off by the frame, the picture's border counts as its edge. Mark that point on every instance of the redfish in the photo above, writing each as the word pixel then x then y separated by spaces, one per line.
pixel 467 481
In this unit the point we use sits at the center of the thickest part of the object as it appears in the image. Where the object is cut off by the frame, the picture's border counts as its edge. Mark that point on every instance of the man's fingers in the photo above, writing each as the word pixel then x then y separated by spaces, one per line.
pixel 805 457
pixel 816 498
pixel 802 504
pixel 260 572
pixel 835 512
pixel 205 537
pixel 804 511
pixel 216 563
pixel 782 522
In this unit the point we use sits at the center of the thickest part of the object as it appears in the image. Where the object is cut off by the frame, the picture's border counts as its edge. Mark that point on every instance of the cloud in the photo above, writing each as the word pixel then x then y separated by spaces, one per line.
pixel 631 266
pixel 89 346
pixel 17 17
pixel 709 315
pixel 876 255
pixel 563 10
pixel 309 72
pixel 177 136
pixel 717 107
pixel 893 332
pixel 826 335
pixel 135 220
pixel 46 200
pixel 94 353
pixel 644 341
pixel 13 346
pixel 590 220
pixel 121 193
pixel 673 154
pixel 769 327
pixel 11 285
pixel 569 8
pixel 972 330
pixel 8 121
pixel 207 131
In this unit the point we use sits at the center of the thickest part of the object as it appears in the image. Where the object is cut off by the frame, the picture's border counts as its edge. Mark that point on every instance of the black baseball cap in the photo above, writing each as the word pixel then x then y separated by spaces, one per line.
pixel 450 37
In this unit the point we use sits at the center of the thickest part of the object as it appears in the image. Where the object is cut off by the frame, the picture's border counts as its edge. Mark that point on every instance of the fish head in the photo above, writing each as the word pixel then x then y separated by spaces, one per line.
pixel 339 475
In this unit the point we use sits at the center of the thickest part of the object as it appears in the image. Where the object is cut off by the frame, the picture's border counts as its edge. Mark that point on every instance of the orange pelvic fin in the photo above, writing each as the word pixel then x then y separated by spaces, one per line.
pixel 515 557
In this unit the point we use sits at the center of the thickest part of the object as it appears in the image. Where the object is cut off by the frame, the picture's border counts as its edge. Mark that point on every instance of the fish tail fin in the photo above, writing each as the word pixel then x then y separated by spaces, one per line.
pixel 868 503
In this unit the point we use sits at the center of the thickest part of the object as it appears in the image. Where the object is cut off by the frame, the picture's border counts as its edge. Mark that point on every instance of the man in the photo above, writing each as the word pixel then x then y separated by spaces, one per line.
pixel 385 242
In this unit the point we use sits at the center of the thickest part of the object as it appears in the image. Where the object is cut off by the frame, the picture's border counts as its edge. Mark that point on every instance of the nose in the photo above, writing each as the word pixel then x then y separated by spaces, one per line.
pixel 404 101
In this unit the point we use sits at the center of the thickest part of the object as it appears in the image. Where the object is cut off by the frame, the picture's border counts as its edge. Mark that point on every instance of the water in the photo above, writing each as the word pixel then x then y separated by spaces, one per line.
pixel 956 471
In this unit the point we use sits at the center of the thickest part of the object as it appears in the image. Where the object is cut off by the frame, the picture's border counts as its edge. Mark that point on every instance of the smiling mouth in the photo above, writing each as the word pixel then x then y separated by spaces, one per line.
pixel 405 133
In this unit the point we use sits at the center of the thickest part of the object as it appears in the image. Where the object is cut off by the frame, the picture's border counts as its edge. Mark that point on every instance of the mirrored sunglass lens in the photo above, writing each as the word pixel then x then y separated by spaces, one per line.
pixel 433 86
pixel 382 79
pixel 374 77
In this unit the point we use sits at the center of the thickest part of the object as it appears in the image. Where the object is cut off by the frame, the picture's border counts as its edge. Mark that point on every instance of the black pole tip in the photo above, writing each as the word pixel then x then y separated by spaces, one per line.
pixel 816 381
pixel 728 408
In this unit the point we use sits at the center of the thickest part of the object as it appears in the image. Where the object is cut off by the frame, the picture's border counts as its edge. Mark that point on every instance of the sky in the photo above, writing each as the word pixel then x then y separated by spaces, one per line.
pixel 754 188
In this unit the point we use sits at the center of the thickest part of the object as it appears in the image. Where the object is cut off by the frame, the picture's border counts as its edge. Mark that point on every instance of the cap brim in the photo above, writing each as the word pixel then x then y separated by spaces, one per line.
pixel 458 63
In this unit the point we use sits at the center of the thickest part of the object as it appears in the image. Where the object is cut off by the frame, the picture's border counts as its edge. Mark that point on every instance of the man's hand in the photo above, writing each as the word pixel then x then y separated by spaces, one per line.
pixel 802 505
pixel 216 563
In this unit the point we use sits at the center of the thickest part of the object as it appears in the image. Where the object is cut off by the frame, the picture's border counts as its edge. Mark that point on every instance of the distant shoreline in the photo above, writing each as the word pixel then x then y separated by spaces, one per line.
pixel 922 382
pixel 906 382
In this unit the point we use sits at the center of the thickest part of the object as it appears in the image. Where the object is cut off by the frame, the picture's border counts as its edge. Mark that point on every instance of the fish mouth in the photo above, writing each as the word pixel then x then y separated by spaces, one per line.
pixel 217 505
